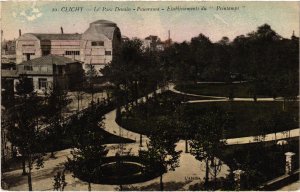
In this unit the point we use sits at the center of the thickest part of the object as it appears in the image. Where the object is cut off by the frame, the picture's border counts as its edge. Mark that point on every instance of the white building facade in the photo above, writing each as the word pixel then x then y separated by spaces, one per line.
pixel 95 46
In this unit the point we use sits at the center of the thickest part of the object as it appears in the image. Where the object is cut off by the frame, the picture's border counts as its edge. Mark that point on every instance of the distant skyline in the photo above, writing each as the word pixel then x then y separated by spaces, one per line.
pixel 38 17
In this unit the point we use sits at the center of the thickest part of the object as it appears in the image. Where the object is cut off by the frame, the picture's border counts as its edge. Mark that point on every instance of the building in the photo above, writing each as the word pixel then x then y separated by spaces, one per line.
pixel 51 70
pixel 8 47
pixel 8 76
pixel 95 46
pixel 153 42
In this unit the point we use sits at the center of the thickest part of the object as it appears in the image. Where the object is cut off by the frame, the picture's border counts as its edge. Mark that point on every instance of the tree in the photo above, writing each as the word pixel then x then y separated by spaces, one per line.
pixel 57 100
pixel 161 155
pixel 88 151
pixel 26 135
pixel 134 71
pixel 91 74
pixel 263 124
pixel 281 121
pixel 208 140
pixel 59 181
pixel 185 122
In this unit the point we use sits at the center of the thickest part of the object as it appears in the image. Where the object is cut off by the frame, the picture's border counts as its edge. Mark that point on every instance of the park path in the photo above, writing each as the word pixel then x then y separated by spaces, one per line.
pixel 218 98
pixel 268 137
pixel 190 171
pixel 172 88
pixel 111 126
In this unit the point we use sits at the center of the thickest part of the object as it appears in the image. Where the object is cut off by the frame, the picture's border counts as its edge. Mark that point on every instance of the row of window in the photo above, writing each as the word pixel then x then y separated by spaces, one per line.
pixel 78 52
pixel 72 52
pixel 97 43
pixel 30 68
pixel 29 45
pixel 94 43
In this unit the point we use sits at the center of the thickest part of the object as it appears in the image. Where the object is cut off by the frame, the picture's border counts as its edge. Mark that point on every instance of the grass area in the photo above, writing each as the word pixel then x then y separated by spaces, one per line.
pixel 219 89
pixel 243 115
pixel 260 161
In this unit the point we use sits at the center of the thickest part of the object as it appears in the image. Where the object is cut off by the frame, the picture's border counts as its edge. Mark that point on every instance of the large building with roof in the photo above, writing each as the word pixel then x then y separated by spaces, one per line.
pixel 95 46
pixel 51 70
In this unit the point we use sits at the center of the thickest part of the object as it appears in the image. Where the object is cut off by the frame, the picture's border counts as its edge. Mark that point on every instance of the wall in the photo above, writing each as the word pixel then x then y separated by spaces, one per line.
pixel 27 43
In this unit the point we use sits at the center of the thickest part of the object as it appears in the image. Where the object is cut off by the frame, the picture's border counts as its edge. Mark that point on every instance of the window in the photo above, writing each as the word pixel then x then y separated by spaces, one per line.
pixel 29 45
pixel 28 55
pixel 36 69
pixel 46 52
pixel 72 52
pixel 97 43
pixel 42 83
pixel 44 68
pixel 107 52
pixel 27 67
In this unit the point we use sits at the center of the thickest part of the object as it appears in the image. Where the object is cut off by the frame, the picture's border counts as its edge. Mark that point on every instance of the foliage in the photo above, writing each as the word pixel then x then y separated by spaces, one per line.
pixel 56 101
pixel 209 140
pixel 59 181
pixel 261 57
pixel 134 71
pixel 161 155
pixel 88 151
pixel 26 135
pixel 260 161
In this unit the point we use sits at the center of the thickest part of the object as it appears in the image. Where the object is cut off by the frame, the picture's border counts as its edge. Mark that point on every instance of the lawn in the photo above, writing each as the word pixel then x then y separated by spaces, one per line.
pixel 241 90
pixel 243 115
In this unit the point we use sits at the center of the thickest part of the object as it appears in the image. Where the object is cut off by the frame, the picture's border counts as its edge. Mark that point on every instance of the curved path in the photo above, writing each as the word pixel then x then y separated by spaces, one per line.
pixel 218 98
pixel 172 88
pixel 190 171
pixel 268 137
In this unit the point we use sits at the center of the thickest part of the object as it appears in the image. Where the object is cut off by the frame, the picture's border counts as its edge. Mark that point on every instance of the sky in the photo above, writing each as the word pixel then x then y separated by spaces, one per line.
pixel 242 18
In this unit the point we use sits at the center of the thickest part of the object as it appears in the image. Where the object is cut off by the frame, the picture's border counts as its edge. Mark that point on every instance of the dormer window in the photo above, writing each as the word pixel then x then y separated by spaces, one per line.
pixel 97 43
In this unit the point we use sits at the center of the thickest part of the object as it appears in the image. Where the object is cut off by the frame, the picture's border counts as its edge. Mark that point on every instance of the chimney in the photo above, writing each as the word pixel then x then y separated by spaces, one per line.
pixel 61 30
pixel 20 33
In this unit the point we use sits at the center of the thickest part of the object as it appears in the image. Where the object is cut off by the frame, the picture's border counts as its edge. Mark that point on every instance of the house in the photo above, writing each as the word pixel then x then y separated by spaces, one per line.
pixel 52 70
pixel 153 42
pixel 96 46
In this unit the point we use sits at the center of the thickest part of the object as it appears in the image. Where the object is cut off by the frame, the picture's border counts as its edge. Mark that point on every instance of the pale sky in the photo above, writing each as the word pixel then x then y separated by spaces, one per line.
pixel 38 17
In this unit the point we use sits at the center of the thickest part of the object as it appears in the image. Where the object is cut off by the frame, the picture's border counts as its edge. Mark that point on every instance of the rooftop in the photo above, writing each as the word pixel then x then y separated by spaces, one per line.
pixel 49 60
pixel 104 22
pixel 50 36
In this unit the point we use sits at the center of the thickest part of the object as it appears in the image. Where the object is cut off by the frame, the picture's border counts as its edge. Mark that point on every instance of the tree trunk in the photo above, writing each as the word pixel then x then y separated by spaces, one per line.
pixel 78 104
pixel 215 174
pixel 89 187
pixel 29 180
pixel 141 140
pixel 161 183
pixel 121 187
pixel 186 146
pixel 52 154
pixel 23 165
pixel 206 172
pixel 29 175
